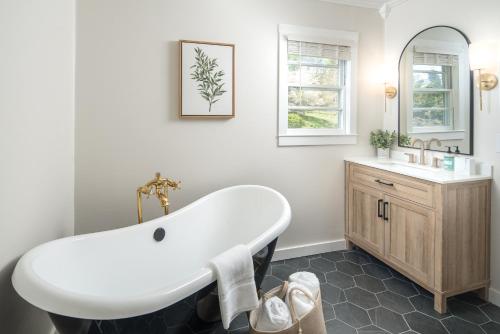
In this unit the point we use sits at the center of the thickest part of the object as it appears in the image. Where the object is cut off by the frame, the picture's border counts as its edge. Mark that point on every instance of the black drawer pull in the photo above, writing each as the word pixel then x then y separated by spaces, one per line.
pixel 380 202
pixel 386 211
pixel 385 183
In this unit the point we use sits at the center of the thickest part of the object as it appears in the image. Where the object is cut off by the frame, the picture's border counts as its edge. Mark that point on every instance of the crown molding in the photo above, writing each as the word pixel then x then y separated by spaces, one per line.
pixel 374 4
pixel 384 6
pixel 395 3
pixel 384 11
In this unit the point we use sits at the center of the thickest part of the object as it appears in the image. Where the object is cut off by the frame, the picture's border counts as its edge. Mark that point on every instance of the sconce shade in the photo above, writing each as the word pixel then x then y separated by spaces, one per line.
pixel 391 92
pixel 483 55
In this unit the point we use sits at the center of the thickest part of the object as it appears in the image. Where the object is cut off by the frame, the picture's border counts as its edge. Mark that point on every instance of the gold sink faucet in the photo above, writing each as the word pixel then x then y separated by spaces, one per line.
pixel 158 187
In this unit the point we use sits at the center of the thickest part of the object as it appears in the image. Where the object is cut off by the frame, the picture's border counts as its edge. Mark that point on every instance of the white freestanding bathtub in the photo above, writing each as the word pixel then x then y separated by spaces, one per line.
pixel 125 272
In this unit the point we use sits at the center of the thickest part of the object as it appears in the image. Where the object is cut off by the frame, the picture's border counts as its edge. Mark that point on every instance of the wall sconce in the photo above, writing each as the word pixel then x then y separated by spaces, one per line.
pixel 482 56
pixel 390 93
pixel 381 75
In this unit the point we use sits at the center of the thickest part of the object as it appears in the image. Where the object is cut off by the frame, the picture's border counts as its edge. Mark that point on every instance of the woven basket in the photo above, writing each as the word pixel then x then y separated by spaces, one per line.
pixel 311 323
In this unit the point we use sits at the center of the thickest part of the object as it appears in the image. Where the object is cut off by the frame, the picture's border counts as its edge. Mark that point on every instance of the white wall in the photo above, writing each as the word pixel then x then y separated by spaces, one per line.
pixel 479 21
pixel 127 104
pixel 36 141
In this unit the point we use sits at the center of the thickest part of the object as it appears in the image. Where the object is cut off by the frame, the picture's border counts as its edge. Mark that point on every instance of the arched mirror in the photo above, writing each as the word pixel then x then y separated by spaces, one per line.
pixel 435 91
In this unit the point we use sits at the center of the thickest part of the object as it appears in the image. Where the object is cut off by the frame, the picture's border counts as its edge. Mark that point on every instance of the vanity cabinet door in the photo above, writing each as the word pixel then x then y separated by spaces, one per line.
pixel 366 225
pixel 410 238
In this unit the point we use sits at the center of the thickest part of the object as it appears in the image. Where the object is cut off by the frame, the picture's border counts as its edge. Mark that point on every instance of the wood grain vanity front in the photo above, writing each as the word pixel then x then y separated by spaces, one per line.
pixel 366 227
pixel 436 234
pixel 400 186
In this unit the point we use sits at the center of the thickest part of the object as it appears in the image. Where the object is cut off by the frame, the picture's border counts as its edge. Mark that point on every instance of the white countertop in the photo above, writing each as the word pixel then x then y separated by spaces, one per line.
pixel 437 175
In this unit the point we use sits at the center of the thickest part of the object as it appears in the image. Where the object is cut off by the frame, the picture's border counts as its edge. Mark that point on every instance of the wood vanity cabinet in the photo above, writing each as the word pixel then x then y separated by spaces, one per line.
pixel 435 234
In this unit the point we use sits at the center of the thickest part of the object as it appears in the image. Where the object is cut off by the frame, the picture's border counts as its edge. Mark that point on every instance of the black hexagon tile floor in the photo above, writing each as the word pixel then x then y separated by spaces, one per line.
pixel 360 296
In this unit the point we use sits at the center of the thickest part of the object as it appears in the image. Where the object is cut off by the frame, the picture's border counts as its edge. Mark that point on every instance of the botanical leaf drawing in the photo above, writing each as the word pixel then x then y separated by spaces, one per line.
pixel 209 78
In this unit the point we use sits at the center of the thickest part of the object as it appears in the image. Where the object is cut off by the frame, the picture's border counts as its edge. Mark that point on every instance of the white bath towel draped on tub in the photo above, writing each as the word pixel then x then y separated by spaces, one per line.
pixel 235 283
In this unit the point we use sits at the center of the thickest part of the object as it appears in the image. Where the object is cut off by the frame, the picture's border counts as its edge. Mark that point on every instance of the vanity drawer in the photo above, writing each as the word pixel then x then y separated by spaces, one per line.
pixel 404 187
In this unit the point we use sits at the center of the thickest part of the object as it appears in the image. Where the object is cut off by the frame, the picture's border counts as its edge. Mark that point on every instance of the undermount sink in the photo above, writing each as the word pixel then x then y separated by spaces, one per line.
pixel 400 164
pixel 419 171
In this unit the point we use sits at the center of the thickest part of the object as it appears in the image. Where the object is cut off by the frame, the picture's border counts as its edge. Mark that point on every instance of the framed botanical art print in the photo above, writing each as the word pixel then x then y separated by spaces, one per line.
pixel 206 79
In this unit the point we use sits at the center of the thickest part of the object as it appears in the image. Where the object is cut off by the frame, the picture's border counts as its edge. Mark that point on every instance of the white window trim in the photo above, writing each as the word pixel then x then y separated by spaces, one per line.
pixel 311 137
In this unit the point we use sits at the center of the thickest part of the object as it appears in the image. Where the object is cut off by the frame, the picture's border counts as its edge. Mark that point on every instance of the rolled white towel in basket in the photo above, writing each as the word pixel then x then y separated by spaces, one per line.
pixel 304 283
pixel 274 315
pixel 306 279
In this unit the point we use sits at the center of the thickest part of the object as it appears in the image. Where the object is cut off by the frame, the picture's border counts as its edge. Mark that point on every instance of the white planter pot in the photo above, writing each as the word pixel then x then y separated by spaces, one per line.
pixel 383 154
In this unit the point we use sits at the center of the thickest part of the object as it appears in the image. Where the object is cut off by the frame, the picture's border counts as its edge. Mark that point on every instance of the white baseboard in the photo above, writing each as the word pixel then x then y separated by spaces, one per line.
pixel 494 296
pixel 308 249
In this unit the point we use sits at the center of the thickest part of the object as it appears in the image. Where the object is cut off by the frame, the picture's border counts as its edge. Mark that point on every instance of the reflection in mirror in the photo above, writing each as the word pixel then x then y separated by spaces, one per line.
pixel 435 90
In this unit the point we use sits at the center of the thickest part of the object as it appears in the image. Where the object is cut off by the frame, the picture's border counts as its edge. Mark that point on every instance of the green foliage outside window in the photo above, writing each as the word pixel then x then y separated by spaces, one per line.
pixel 314 91
pixel 314 119
pixel 432 95
pixel 429 100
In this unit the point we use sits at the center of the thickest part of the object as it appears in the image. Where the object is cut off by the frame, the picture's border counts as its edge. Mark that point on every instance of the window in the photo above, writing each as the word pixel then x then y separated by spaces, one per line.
pixel 316 85
pixel 433 91
pixel 316 98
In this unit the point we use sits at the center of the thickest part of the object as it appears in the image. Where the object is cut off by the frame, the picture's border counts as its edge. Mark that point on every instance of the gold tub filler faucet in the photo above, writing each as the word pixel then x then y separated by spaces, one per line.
pixel 158 187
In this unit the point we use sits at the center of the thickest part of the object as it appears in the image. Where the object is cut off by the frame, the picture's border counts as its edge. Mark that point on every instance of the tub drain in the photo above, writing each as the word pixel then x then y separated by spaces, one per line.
pixel 159 234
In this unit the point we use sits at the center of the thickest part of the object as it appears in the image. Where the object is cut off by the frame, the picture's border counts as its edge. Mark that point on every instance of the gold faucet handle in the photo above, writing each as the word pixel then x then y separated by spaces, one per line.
pixel 174 185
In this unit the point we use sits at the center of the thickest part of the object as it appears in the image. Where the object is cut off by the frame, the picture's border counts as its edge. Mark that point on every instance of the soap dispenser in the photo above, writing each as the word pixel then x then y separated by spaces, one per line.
pixel 449 160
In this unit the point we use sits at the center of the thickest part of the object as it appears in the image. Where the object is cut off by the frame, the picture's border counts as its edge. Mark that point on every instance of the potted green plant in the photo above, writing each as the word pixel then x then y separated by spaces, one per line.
pixel 404 140
pixel 383 141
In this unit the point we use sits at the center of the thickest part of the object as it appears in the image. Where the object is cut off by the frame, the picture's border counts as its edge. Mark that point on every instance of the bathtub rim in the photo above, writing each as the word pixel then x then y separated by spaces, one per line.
pixel 46 296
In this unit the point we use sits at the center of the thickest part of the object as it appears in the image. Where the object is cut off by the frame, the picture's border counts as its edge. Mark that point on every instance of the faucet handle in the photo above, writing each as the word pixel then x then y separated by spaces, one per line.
pixel 412 158
pixel 436 161
pixel 175 185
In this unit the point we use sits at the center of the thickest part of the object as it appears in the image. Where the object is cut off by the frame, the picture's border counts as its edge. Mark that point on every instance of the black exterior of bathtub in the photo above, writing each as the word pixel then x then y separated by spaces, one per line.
pixel 68 325
pixel 182 312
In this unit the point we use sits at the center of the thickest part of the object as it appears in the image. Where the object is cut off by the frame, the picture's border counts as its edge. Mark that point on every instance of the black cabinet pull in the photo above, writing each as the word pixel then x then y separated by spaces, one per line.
pixel 385 183
pixel 380 202
pixel 386 211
